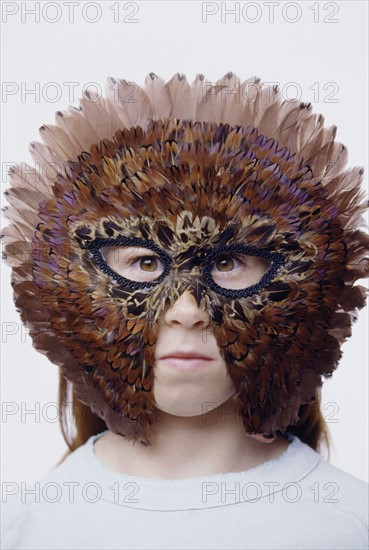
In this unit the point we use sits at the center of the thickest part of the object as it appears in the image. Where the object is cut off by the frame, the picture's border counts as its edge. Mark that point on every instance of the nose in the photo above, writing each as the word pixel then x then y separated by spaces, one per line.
pixel 186 312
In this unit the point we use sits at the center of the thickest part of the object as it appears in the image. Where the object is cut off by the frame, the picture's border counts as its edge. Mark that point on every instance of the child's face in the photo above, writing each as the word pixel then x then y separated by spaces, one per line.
pixel 183 389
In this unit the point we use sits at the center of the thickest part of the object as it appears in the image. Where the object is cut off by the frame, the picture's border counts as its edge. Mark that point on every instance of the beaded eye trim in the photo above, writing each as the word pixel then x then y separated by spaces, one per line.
pixel 94 248
pixel 278 260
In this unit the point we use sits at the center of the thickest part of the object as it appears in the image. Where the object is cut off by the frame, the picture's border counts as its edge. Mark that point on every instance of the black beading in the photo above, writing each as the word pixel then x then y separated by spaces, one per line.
pixel 278 260
pixel 94 248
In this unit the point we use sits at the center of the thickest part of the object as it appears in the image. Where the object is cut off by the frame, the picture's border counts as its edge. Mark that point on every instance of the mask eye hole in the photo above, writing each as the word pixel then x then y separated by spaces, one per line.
pixel 134 263
pixel 240 270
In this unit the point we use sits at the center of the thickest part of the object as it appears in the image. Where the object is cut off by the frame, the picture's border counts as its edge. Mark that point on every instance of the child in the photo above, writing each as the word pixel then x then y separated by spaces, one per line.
pixel 187 256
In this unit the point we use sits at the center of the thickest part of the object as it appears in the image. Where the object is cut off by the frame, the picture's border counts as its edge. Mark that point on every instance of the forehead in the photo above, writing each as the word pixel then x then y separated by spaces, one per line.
pixel 174 233
pixel 183 230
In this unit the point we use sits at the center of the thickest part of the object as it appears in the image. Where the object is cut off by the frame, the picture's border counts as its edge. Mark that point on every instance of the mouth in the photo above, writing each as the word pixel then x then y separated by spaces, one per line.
pixel 186 361
pixel 187 355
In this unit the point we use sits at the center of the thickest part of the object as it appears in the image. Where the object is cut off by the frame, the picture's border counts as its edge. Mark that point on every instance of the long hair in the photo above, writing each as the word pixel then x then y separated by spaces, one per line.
pixel 311 428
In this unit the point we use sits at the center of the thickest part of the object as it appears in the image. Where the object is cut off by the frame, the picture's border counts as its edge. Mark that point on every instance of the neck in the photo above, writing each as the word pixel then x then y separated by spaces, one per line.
pixel 186 447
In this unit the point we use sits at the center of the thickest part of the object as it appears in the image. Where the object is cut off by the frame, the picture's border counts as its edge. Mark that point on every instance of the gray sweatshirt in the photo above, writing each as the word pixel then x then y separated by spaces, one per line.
pixel 295 501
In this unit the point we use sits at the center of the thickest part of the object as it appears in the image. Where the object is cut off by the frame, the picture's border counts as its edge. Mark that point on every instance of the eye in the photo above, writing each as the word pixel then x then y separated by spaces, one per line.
pixel 147 263
pixel 238 271
pixel 134 263
pixel 225 263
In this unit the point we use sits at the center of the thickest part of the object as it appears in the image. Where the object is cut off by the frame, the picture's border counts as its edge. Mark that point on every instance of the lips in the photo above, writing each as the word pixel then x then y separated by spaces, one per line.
pixel 185 355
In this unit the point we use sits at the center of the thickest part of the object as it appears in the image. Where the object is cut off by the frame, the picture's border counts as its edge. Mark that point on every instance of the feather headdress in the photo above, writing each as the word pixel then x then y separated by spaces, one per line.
pixel 174 165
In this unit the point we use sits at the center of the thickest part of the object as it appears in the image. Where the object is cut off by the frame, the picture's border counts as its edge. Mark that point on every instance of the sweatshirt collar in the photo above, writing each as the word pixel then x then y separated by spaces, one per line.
pixel 261 482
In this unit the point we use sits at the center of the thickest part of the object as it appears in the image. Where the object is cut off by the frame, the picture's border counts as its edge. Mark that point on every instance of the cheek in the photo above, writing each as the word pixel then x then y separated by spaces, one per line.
pixel 192 394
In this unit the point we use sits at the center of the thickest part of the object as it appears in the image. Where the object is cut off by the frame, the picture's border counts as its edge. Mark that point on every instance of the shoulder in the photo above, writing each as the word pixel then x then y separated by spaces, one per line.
pixel 343 496
pixel 27 506
pixel 16 513
pixel 352 494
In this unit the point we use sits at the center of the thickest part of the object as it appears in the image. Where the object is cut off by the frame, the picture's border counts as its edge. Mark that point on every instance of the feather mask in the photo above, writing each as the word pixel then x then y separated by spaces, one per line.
pixel 194 175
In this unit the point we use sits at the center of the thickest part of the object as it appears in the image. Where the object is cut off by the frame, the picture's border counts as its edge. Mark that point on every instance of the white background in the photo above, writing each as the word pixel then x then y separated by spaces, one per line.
pixel 172 37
